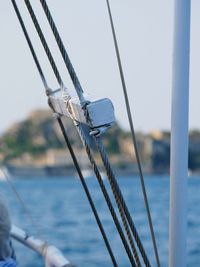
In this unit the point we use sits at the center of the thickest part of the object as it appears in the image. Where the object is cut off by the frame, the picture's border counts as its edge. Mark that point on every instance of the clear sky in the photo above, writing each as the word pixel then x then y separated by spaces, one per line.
pixel 144 30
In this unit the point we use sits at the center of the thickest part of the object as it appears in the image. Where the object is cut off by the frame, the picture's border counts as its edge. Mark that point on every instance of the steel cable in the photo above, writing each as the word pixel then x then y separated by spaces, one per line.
pixel 38 29
pixel 67 140
pixel 44 43
pixel 63 51
pixel 119 199
pixel 109 204
pixel 30 44
pixel 87 192
pixel 74 76
pixel 133 134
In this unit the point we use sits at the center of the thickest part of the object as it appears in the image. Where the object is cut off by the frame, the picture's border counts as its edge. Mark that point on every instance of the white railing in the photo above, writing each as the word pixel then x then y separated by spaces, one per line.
pixel 52 256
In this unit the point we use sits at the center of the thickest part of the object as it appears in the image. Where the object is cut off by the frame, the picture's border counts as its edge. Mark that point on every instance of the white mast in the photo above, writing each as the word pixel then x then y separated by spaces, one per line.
pixel 179 136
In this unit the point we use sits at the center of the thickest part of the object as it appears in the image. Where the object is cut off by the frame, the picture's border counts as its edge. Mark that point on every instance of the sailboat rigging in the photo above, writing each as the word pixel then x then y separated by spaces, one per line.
pixel 92 118
pixel 133 135
pixel 65 134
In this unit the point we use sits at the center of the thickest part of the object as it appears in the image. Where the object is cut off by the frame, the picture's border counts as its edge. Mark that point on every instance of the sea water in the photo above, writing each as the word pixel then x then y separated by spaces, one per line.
pixel 63 217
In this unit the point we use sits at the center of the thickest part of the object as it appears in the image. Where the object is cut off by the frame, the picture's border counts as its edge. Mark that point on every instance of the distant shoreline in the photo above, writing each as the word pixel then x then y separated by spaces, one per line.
pixel 26 172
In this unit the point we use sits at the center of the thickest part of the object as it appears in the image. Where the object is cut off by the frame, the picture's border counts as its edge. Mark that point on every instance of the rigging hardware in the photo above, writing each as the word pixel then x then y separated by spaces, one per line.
pixel 52 65
pixel 83 103
pixel 73 75
pixel 47 51
pixel 92 110
pixel 49 91
pixel 74 80
pixel 97 114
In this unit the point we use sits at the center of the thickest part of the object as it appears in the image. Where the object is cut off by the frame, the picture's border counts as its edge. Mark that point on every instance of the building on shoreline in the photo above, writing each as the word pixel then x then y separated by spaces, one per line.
pixel 36 143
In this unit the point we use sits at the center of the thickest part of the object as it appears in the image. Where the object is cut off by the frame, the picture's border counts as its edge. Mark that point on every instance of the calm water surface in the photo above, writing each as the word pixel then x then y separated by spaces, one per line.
pixel 63 217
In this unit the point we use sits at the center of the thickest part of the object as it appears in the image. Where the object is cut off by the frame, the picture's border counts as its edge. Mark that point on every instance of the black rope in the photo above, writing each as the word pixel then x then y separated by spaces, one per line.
pixel 44 43
pixel 63 51
pixel 133 135
pixel 67 140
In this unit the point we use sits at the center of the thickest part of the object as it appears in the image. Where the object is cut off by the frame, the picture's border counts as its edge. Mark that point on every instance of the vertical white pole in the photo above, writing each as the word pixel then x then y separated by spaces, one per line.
pixel 179 136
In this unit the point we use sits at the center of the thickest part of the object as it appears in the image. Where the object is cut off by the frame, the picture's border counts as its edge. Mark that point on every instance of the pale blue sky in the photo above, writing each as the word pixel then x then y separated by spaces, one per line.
pixel 144 29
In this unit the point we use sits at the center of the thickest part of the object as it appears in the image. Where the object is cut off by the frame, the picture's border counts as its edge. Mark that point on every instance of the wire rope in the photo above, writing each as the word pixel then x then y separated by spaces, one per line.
pixel 64 53
pixel 42 38
pixel 45 45
pixel 133 134
pixel 116 192
pixel 38 28
pixel 120 199
pixel 67 141
pixel 74 76
pixel 109 204
pixel 87 192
